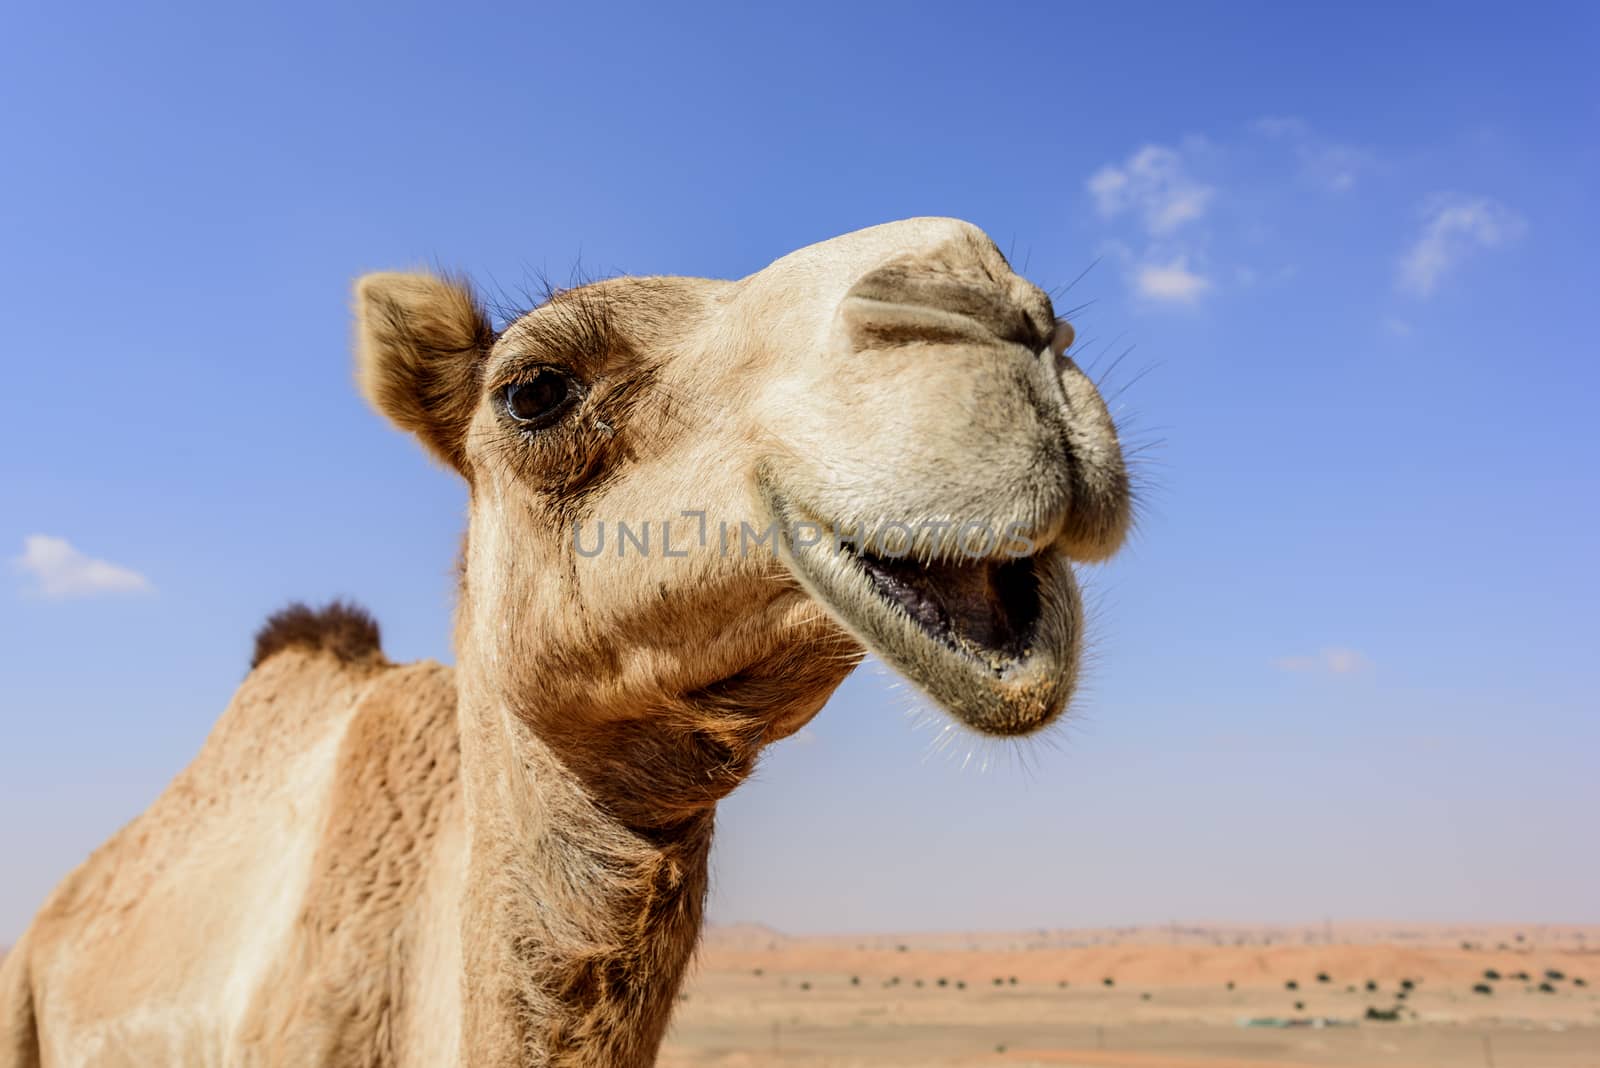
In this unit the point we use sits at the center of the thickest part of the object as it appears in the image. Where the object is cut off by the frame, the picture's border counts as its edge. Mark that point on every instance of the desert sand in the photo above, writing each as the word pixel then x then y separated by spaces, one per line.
pixel 759 998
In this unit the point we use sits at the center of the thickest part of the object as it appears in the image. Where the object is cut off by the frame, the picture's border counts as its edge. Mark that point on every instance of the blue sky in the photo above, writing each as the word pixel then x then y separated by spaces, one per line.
pixel 1345 669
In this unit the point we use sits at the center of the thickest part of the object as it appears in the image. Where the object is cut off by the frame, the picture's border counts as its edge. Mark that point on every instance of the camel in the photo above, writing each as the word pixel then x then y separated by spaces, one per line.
pixel 694 505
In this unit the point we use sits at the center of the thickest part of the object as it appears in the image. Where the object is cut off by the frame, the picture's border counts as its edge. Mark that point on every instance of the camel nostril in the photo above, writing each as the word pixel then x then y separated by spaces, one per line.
pixel 903 303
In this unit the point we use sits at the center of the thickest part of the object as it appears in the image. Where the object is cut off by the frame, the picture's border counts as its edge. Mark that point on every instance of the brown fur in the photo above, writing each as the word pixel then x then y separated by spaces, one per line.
pixel 419 353
pixel 504 865
pixel 346 630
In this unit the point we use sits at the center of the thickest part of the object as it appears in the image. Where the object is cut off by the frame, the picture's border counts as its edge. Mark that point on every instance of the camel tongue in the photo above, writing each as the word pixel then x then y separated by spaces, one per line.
pixel 987 605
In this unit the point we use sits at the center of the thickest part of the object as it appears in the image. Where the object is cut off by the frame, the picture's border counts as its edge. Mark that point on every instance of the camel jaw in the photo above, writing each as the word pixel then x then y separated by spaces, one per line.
pixel 995 640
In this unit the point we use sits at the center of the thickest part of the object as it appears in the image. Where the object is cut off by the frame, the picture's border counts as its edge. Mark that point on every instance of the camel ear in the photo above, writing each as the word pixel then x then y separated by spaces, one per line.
pixel 420 344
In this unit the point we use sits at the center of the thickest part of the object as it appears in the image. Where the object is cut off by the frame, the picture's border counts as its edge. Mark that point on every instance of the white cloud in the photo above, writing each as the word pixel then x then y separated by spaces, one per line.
pixel 1171 282
pixel 1453 227
pixel 1153 184
pixel 1332 661
pixel 1178 209
pixel 1331 166
pixel 1155 191
pixel 61 571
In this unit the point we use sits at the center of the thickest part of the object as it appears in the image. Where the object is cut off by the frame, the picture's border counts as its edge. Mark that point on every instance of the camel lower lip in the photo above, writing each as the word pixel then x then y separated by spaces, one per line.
pixel 994 641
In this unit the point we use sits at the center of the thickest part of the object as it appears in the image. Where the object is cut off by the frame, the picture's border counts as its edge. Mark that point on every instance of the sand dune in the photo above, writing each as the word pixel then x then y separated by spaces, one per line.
pixel 760 997
pixel 1173 956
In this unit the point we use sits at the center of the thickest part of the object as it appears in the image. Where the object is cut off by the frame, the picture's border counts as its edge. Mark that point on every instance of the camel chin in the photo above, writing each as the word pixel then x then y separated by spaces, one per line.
pixel 993 637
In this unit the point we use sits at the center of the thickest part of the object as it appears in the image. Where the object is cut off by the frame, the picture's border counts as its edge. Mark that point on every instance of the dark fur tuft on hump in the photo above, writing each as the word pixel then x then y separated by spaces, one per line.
pixel 346 630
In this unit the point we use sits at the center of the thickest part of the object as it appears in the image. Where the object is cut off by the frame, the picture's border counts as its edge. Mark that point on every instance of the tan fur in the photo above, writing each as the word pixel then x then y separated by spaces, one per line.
pixel 505 864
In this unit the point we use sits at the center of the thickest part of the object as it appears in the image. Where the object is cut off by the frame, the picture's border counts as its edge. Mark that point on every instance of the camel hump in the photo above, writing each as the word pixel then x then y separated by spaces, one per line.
pixel 342 628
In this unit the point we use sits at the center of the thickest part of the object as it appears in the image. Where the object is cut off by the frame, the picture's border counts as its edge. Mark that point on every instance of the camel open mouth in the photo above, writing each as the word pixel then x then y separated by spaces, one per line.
pixel 993 639
pixel 985 608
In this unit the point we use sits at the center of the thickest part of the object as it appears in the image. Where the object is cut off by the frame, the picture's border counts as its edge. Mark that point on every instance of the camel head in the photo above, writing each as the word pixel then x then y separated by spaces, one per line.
pixel 690 494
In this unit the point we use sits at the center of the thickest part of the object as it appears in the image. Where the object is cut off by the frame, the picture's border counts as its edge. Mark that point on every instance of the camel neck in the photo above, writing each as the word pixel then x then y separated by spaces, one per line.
pixel 577 922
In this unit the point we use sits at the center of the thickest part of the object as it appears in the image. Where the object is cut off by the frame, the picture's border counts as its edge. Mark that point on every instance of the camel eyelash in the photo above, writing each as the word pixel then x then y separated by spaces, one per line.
pixel 572 328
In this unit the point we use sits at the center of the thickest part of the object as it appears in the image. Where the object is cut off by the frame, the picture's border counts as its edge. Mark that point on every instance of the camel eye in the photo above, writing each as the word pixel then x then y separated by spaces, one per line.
pixel 538 400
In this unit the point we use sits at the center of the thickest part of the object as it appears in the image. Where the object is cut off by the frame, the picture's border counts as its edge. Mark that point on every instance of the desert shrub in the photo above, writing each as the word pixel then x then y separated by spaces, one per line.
pixel 1145 996
pixel 1382 1015
pixel 1521 977
pixel 1407 984
pixel 1401 995
pixel 1108 981
pixel 1579 981
pixel 1553 975
pixel 1490 974
pixel 1483 988
pixel 1013 980
pixel 917 984
pixel 855 980
pixel 961 984
pixel 1062 984
pixel 902 949
pixel 1230 984
pixel 1547 988
pixel 1372 985
pixel 999 981
pixel 1292 984
pixel 1324 977
pixel 759 973
pixel 943 981
pixel 1299 1006
pixel 805 986
pixel 1000 1047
